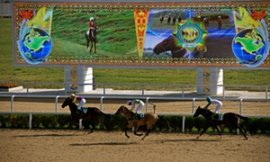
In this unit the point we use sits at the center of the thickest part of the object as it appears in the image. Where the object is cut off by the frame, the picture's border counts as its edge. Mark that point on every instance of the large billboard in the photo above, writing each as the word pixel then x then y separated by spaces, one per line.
pixel 142 34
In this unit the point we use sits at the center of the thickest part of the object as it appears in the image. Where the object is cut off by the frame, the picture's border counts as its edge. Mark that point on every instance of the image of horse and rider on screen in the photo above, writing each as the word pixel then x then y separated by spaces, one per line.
pixel 189 33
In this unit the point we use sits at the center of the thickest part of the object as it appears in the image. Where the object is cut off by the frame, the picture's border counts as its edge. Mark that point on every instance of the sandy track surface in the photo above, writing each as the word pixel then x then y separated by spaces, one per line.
pixel 75 145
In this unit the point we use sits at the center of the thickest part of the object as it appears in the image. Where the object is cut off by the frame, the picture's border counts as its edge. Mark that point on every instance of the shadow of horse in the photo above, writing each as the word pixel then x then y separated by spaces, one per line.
pixel 91 38
pixel 229 119
pixel 149 120
pixel 103 144
pixel 46 135
pixel 177 51
pixel 93 115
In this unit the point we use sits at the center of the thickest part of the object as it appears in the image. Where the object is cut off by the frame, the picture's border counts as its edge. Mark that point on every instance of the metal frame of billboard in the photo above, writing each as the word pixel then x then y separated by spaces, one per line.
pixel 140 62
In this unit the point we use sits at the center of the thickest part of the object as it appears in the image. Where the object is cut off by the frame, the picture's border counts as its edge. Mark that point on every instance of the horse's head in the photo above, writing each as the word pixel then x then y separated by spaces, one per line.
pixel 198 111
pixel 169 44
pixel 67 102
pixel 165 45
pixel 122 110
pixel 203 111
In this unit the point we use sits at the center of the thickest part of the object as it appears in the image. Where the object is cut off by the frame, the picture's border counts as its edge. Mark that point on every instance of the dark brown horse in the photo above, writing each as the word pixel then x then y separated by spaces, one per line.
pixel 177 51
pixel 229 119
pixel 92 115
pixel 169 44
pixel 91 37
pixel 149 120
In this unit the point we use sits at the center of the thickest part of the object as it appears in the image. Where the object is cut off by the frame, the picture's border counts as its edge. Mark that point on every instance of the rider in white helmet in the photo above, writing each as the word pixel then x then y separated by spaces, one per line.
pixel 140 105
pixel 92 26
pixel 216 102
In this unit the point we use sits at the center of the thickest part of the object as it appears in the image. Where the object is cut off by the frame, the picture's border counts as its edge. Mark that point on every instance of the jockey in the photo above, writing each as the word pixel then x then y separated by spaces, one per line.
pixel 92 26
pixel 80 99
pixel 217 102
pixel 140 105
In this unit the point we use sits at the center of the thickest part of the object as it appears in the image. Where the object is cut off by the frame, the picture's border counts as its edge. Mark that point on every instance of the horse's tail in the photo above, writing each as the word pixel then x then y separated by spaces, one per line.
pixel 242 117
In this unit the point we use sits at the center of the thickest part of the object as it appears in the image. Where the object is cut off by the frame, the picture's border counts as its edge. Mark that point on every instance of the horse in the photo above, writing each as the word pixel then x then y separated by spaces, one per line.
pixel 177 51
pixel 149 120
pixel 91 38
pixel 169 44
pixel 92 115
pixel 230 119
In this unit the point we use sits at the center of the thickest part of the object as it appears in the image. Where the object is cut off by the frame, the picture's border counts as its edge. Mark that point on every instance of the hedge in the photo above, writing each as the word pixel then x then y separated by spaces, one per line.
pixel 167 123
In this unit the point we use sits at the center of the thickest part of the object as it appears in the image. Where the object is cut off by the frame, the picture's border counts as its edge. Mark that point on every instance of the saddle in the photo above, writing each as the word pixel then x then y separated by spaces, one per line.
pixel 218 116
pixel 82 111
pixel 138 116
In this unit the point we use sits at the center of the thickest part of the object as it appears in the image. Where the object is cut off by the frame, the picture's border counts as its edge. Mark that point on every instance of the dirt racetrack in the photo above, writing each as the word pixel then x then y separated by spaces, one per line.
pixel 75 145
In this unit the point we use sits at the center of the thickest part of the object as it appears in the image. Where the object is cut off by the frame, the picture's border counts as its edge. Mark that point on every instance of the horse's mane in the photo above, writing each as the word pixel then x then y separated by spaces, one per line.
pixel 125 108
pixel 206 110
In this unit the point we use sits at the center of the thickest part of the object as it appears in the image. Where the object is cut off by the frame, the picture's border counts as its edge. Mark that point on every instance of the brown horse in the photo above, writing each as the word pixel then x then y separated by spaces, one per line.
pixel 91 37
pixel 229 119
pixel 170 44
pixel 92 115
pixel 149 120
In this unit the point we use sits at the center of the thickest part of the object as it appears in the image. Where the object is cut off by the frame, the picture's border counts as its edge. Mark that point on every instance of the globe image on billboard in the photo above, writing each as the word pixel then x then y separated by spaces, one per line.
pixel 35 46
pixel 249 47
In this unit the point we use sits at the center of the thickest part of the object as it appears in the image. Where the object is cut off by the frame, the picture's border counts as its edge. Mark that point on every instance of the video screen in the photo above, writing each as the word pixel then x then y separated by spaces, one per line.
pixel 99 35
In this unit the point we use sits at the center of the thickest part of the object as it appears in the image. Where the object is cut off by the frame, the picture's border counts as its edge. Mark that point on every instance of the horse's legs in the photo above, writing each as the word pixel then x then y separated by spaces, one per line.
pixel 126 129
pixel 203 131
pixel 243 127
pixel 93 126
pixel 147 133
pixel 91 46
pixel 95 47
pixel 219 132
pixel 87 40
pixel 242 132
pixel 135 131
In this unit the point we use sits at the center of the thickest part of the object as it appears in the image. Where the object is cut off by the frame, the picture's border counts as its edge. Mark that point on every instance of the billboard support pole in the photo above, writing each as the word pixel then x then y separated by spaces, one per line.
pixel 68 79
pixel 210 81
pixel 85 78
pixel 78 79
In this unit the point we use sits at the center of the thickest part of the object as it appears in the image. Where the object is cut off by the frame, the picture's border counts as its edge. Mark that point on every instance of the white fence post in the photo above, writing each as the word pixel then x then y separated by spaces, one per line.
pixel 12 103
pixel 30 121
pixel 193 105
pixel 80 124
pixel 56 103
pixel 241 106
pixel 101 103
pixel 183 124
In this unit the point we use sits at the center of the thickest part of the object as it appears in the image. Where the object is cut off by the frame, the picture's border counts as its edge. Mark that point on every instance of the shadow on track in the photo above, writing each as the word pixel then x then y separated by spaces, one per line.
pixel 46 135
pixel 103 144
pixel 189 140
